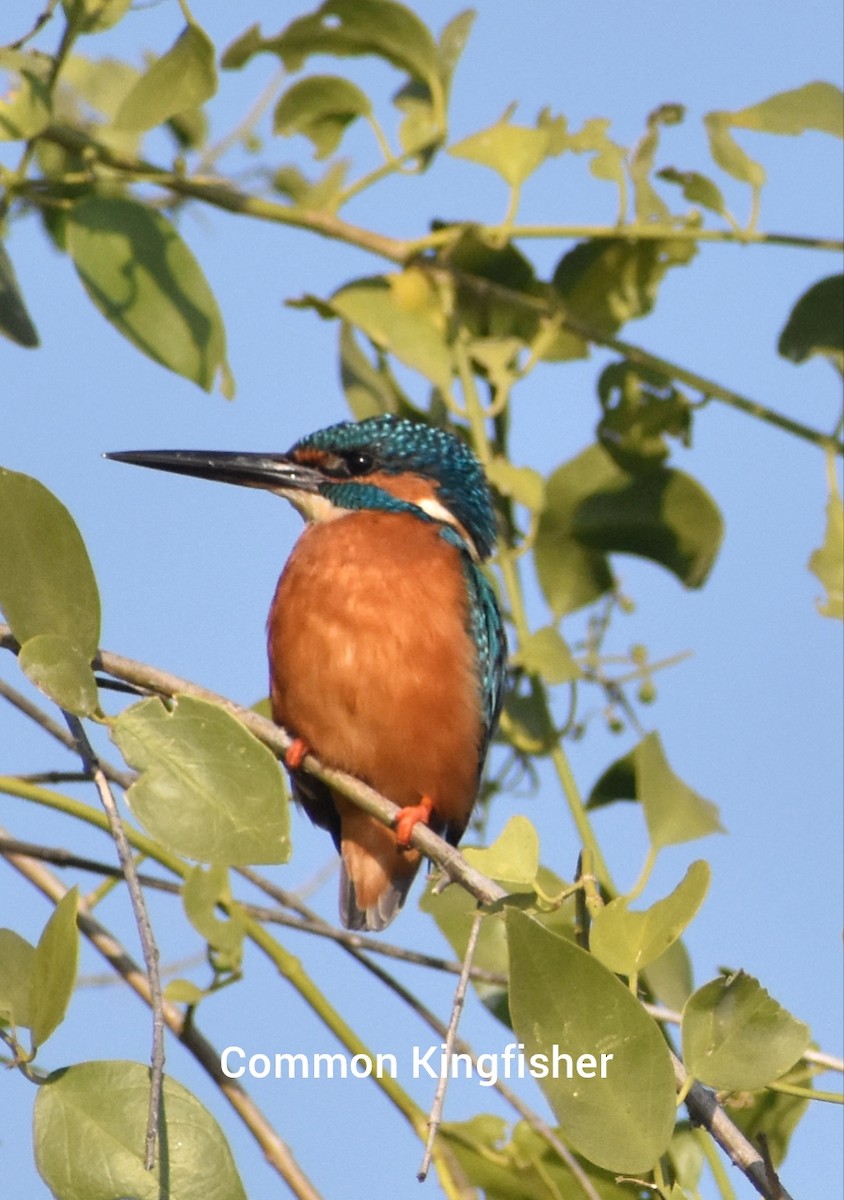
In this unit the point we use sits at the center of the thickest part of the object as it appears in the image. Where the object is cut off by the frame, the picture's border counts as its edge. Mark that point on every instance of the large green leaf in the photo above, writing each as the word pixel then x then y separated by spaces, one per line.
pixel 89 1127
pixel 17 958
pixel 661 514
pixel 816 323
pixel 208 788
pixel 320 107
pixel 54 967
pixel 47 584
pixel 626 941
pixel 15 322
pixel 736 1037
pixel 146 282
pixel 354 27
pixel 674 812
pixel 183 78
pixel 563 999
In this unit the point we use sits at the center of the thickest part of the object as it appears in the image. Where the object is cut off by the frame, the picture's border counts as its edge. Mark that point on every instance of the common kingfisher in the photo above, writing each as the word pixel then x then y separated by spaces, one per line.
pixel 386 644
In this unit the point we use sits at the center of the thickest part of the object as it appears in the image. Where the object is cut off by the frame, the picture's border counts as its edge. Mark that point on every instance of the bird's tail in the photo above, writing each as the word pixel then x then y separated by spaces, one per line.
pixel 375 874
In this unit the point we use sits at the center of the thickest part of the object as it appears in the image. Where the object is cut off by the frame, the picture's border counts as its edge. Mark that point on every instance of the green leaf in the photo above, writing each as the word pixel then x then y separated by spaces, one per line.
pixel 54 968
pixel 649 204
pixel 827 562
pixel 26 110
pixel 814 106
pixel 736 1037
pixel 610 159
pixel 243 48
pixel 89 1127
pixel 525 723
pixel 563 998
pixel 513 151
pixel 572 575
pixel 626 941
pixel 321 195
pixel 697 188
pixel 17 959
pixel 513 858
pixel 400 313
pixel 641 408
pixel 355 27
pixel 522 484
pixel 145 281
pixel 816 324
pixel 728 154
pixel 663 515
pixel 47 585
pixel 62 671
pixel 669 978
pixel 208 788
pixel 182 991
pixel 183 78
pixel 606 282
pixel 673 811
pixel 369 391
pixel 452 43
pixel 15 322
pixel 320 108
pixel 94 16
pixel 201 892
pixel 547 655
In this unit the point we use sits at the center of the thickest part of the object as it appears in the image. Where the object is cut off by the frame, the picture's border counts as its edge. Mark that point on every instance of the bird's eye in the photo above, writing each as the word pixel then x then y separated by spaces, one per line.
pixel 358 463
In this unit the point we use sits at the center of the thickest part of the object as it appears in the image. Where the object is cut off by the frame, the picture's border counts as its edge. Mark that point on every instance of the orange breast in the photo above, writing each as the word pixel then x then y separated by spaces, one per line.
pixel 371 662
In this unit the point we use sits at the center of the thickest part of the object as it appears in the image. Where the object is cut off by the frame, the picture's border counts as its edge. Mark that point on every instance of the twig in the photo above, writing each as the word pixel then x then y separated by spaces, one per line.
pixel 145 933
pixel 457 1008
pixel 275 1149
pixel 704 1110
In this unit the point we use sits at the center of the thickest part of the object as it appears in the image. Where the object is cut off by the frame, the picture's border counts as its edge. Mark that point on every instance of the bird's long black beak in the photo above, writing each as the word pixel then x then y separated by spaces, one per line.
pixel 272 472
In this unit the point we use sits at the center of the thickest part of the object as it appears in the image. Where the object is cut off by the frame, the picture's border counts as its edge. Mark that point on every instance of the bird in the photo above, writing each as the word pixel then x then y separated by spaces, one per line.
pixel 385 639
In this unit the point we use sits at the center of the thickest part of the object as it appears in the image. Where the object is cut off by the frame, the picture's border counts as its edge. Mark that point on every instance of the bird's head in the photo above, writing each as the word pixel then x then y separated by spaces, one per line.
pixel 384 463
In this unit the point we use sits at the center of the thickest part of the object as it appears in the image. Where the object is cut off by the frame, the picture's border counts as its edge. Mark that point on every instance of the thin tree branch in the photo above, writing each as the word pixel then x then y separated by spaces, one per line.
pixel 435 1118
pixel 145 933
pixel 277 1153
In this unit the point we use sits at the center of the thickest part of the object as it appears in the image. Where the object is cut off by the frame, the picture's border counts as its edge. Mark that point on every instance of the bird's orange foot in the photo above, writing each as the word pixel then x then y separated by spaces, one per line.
pixel 410 817
pixel 295 753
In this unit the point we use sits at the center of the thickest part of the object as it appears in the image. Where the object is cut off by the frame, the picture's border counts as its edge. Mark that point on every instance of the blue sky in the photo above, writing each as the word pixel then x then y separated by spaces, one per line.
pixel 186 569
